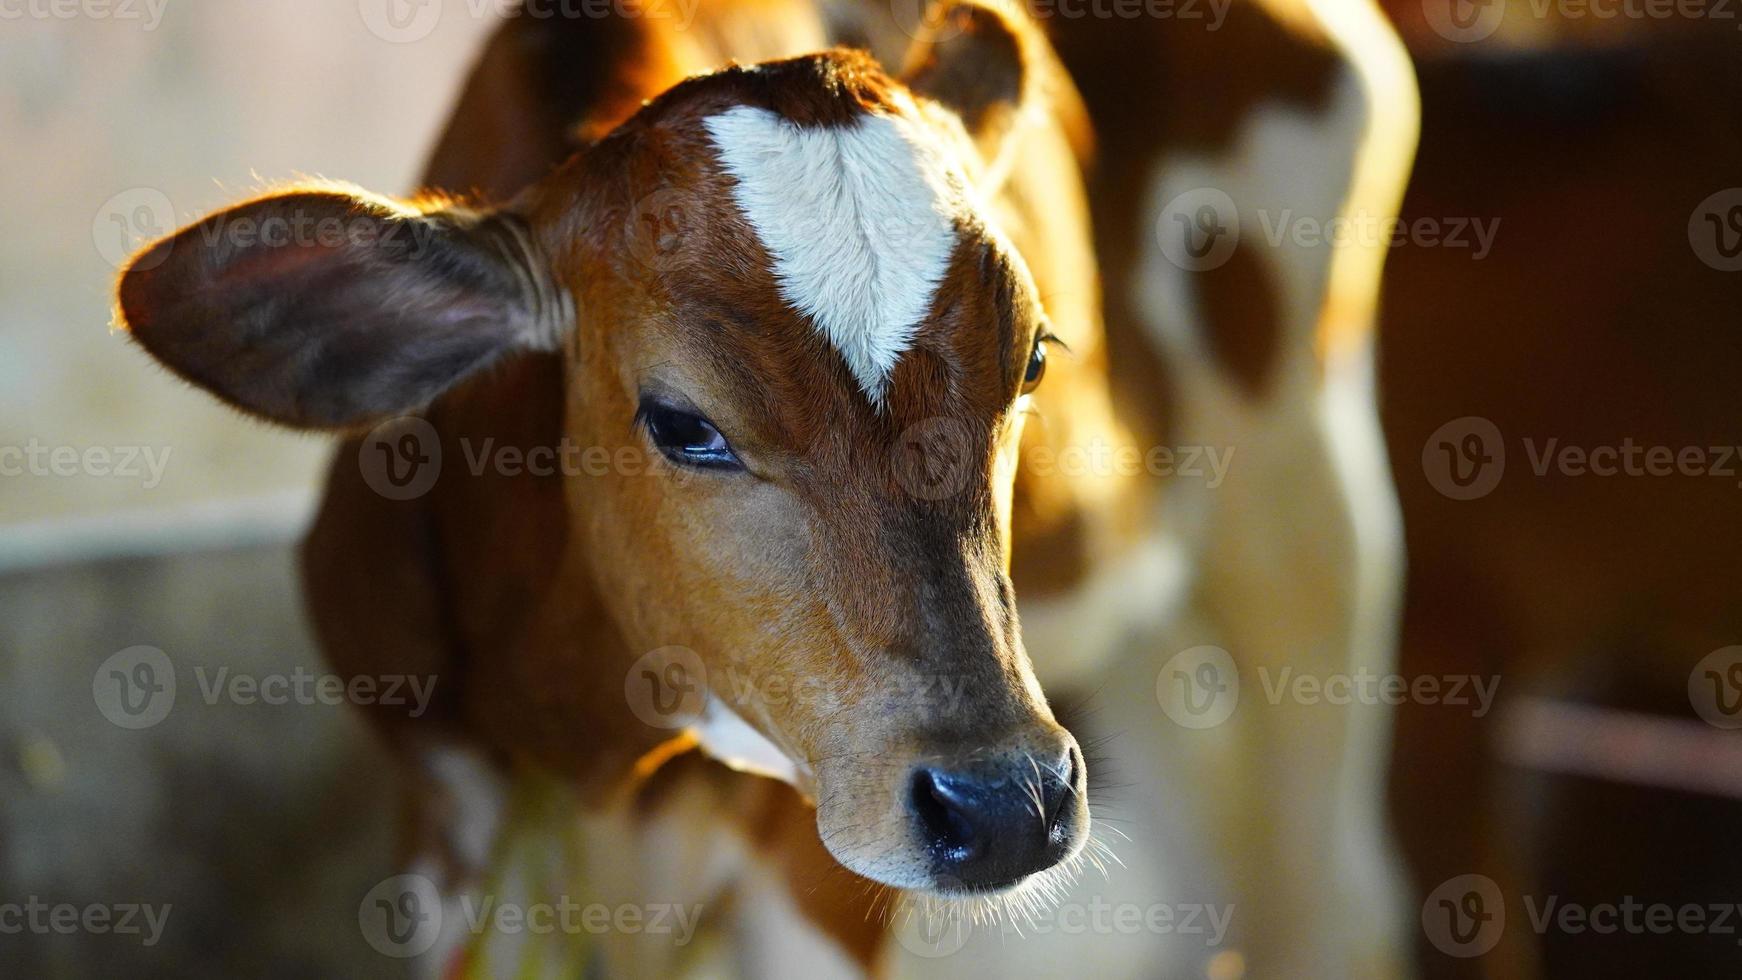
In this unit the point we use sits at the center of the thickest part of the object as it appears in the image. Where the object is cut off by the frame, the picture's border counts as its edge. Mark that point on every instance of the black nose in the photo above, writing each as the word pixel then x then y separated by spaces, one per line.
pixel 988 826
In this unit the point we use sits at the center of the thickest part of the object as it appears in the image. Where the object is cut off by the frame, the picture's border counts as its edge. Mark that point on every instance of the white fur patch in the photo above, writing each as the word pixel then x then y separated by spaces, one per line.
pixel 860 220
pixel 728 738
pixel 1286 166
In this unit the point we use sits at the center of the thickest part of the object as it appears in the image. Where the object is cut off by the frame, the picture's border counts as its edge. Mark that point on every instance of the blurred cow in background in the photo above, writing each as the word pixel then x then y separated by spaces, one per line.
pixel 1230 148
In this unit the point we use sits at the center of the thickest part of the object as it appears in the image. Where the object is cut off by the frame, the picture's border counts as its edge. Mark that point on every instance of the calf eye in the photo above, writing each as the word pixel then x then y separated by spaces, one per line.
pixel 1036 366
pixel 686 438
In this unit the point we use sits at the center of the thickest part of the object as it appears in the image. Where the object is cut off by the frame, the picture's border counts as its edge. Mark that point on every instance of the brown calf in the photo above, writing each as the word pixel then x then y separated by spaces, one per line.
pixel 790 301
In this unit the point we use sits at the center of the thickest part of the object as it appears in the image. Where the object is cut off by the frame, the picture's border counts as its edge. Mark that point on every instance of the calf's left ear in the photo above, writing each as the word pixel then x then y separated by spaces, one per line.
pixel 974 60
pixel 330 309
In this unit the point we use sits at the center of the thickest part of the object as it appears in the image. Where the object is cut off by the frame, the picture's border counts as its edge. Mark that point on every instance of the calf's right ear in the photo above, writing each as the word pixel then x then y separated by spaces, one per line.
pixel 971 57
pixel 331 309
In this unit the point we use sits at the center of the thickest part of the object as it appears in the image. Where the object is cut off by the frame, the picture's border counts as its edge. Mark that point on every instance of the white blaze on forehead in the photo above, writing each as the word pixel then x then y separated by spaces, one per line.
pixel 859 219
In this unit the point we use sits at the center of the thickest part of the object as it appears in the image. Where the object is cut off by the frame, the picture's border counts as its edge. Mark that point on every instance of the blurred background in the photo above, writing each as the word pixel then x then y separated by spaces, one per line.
pixel 120 128
pixel 171 524
pixel 137 513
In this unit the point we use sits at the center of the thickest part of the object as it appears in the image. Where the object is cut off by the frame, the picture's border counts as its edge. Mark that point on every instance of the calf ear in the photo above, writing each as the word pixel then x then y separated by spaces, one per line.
pixel 325 309
pixel 975 61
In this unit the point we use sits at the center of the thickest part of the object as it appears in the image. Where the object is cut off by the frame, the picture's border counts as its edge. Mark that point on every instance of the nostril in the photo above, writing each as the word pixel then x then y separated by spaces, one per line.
pixel 1066 787
pixel 1060 791
pixel 989 825
pixel 939 809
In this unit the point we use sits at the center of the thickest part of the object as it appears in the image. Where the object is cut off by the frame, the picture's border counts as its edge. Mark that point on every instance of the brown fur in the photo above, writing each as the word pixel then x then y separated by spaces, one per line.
pixel 529 597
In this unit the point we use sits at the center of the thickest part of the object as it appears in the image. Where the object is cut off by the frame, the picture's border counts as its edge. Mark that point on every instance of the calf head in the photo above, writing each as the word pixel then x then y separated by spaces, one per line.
pixel 781 282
